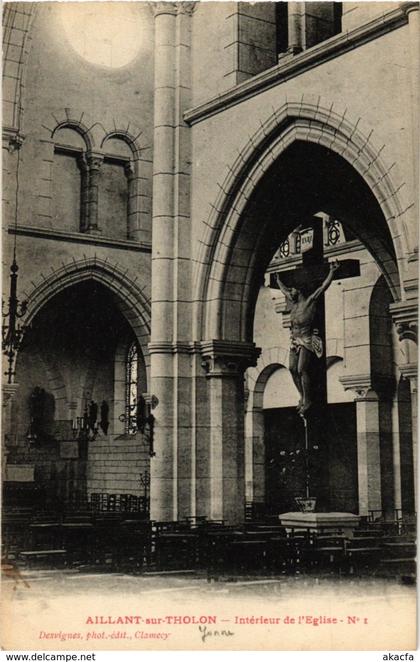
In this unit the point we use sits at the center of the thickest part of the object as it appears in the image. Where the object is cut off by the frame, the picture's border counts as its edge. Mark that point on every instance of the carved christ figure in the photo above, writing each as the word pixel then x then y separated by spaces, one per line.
pixel 305 340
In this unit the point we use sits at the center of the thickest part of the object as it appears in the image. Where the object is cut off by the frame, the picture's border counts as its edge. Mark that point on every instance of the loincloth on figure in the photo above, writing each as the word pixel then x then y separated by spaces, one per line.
pixel 310 341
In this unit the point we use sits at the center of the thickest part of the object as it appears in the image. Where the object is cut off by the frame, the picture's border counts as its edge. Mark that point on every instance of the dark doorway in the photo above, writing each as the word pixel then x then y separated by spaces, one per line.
pixel 68 354
pixel 342 446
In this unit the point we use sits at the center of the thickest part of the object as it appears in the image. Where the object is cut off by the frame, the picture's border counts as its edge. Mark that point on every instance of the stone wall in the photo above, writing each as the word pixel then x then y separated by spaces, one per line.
pixel 116 464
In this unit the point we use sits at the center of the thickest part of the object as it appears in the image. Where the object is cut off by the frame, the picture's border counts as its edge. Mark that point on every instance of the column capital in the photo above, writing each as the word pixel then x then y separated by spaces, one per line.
pixel 370 386
pixel 404 316
pixel 186 7
pixel 94 160
pixel 361 385
pixel 12 138
pixel 159 8
pixel 408 7
pixel 172 8
pixel 223 358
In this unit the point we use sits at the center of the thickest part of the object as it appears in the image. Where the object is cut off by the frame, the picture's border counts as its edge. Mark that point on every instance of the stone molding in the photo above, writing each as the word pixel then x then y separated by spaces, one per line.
pixel 222 358
pixel 231 357
pixel 80 237
pixel 369 386
pixel 169 347
pixel 303 61
pixel 361 385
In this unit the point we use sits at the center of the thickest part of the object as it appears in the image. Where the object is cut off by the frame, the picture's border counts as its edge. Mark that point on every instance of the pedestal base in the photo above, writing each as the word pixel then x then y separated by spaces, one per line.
pixel 345 522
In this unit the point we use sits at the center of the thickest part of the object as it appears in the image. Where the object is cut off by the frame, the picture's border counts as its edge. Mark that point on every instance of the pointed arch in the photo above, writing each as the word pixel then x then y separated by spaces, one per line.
pixel 226 260
pixel 130 298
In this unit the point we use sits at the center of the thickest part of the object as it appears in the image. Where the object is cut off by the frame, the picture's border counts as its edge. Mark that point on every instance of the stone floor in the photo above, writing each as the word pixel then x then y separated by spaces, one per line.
pixel 153 582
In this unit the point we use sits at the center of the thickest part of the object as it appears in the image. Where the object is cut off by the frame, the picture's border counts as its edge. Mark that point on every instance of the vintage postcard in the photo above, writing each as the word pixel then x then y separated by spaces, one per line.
pixel 210 267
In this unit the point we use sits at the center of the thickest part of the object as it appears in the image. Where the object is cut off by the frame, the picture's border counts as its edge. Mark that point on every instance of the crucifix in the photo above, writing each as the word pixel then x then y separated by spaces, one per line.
pixel 304 290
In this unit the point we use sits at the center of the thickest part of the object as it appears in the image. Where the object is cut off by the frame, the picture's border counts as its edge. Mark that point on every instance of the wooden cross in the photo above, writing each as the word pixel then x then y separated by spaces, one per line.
pixel 308 278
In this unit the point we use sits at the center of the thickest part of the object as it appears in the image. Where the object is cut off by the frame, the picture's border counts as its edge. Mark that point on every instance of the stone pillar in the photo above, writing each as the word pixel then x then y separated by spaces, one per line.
pixel 368 453
pixel 172 493
pixel 163 171
pixel 255 454
pixel 94 162
pixel 413 31
pixel 404 314
pixel 409 371
pixel 226 363
pixel 368 443
pixel 396 453
pixel 163 465
pixel 295 27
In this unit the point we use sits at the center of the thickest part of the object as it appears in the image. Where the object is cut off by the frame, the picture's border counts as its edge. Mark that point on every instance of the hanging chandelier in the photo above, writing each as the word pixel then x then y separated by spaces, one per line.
pixel 12 329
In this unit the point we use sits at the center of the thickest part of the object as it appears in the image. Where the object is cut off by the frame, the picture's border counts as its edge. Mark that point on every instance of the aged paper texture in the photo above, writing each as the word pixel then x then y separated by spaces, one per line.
pixel 210 240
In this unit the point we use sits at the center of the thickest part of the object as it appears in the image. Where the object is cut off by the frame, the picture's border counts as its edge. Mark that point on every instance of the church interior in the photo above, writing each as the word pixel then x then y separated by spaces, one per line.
pixel 165 164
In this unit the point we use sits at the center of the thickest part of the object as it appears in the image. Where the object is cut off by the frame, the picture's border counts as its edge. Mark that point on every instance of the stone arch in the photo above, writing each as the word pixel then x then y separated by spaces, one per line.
pixel 131 137
pixel 57 387
pixel 270 360
pixel 221 263
pixel 130 298
pixel 77 120
pixel 54 379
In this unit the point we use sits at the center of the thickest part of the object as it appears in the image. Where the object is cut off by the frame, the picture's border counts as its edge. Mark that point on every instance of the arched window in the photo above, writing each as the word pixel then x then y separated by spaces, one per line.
pixel 69 180
pixel 132 391
pixel 116 188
